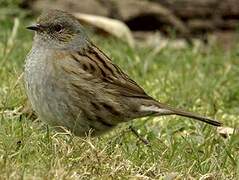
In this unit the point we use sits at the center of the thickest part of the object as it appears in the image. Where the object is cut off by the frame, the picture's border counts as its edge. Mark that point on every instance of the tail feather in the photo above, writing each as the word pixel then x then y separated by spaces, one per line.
pixel 162 109
pixel 197 117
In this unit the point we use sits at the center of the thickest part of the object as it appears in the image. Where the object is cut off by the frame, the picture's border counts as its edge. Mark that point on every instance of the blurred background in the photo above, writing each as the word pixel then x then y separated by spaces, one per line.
pixel 150 21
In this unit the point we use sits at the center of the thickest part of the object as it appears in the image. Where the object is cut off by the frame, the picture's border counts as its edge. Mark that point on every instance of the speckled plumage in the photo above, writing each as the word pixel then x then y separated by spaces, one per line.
pixel 71 83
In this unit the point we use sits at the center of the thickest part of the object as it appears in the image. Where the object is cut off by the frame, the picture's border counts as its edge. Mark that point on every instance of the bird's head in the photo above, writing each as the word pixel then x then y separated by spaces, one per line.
pixel 58 29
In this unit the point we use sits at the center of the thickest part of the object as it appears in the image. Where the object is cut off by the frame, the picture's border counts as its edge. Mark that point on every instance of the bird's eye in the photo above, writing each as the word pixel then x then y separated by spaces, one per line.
pixel 58 28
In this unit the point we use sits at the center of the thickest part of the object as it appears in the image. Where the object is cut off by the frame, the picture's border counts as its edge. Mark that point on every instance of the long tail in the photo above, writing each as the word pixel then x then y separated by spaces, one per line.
pixel 161 109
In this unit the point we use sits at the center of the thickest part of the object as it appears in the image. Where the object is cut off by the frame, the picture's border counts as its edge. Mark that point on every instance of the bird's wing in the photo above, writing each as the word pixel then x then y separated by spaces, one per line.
pixel 104 70
pixel 99 71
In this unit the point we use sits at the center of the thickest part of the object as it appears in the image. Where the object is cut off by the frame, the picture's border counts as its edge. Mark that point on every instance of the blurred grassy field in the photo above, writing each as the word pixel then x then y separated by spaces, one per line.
pixel 203 81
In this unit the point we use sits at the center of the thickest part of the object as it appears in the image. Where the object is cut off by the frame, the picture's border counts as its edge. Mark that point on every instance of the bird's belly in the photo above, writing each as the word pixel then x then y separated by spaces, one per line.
pixel 46 99
pixel 49 97
pixel 53 106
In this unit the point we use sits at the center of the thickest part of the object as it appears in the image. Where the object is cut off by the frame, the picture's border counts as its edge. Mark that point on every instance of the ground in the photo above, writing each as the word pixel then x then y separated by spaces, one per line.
pixel 201 80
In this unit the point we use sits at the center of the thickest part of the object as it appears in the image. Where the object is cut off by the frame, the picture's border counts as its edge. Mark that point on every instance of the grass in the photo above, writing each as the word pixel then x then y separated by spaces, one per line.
pixel 201 81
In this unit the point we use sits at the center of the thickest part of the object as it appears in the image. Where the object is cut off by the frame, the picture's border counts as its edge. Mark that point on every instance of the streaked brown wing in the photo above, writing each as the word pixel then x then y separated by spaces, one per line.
pixel 101 67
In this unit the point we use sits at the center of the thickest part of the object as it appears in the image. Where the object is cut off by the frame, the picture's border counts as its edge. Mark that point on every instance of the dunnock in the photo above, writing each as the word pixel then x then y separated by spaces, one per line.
pixel 72 83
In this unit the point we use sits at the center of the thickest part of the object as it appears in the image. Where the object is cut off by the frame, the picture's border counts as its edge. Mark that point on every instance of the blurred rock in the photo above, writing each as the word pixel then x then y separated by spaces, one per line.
pixel 205 15
pixel 186 19
pixel 107 26
pixel 147 15
pixel 136 13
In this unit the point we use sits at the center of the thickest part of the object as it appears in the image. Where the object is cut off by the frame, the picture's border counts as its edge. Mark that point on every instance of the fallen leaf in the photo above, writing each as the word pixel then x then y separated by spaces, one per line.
pixel 225 131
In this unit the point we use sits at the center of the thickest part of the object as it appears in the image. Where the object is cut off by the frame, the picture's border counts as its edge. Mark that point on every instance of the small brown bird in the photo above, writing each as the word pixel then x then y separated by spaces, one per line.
pixel 72 83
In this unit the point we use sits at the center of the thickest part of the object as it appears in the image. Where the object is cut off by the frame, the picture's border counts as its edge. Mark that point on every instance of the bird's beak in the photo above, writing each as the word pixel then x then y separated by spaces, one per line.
pixel 36 27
